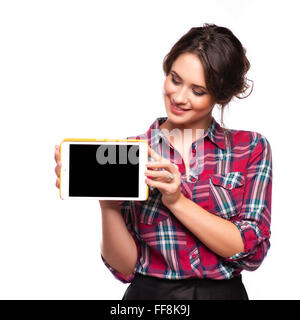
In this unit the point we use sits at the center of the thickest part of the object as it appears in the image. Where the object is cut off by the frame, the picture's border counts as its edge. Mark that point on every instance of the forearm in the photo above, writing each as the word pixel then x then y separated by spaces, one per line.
pixel 218 234
pixel 118 247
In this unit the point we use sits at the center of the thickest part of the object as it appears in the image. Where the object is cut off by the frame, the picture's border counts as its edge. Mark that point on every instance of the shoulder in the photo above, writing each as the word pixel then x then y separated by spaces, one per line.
pixel 251 139
pixel 254 144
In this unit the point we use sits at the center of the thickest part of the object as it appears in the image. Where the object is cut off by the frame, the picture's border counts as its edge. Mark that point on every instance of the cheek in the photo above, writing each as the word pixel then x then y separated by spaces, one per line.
pixel 204 102
pixel 168 87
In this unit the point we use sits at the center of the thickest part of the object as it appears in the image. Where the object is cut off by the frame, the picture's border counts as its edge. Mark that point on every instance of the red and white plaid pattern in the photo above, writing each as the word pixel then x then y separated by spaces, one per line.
pixel 233 182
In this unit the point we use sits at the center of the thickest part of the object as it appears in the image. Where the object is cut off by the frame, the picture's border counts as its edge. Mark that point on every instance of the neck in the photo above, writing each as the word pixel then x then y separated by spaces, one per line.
pixel 181 135
pixel 194 129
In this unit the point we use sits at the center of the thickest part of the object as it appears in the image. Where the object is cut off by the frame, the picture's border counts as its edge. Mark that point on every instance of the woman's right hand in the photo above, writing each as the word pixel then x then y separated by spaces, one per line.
pixel 58 165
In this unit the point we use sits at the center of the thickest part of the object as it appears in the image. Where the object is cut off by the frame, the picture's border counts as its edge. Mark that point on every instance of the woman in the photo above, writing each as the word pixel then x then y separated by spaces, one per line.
pixel 207 216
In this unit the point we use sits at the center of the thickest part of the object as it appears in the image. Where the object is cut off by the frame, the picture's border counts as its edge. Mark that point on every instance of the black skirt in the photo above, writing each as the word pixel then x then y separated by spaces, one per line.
pixel 152 288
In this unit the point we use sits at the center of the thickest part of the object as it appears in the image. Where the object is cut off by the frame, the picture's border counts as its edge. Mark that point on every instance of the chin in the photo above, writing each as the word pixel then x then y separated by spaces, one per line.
pixel 177 120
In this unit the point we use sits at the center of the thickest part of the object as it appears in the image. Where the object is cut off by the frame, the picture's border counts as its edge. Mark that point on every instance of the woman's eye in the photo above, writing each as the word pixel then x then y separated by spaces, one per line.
pixel 199 93
pixel 174 81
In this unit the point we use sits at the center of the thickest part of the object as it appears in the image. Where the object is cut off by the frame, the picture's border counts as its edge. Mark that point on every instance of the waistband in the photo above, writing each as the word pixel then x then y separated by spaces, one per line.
pixel 148 287
pixel 237 278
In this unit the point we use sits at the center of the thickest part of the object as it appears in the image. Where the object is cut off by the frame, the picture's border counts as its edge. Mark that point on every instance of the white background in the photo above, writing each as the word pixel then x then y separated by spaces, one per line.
pixel 93 69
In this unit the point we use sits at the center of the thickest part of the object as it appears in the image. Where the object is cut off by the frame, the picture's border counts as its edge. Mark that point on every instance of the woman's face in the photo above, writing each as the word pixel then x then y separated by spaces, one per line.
pixel 185 88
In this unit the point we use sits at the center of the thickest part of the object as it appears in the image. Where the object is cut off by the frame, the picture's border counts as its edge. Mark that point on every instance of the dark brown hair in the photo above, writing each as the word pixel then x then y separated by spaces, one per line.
pixel 223 58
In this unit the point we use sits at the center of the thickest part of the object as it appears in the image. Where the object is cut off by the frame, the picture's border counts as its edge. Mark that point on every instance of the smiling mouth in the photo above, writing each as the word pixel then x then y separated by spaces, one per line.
pixel 177 107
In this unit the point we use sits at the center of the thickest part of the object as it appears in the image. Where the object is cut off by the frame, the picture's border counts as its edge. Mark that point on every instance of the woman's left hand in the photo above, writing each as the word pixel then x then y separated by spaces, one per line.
pixel 170 190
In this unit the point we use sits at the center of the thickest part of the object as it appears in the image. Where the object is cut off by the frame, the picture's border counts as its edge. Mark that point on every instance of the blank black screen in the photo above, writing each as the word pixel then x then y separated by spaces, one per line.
pixel 89 178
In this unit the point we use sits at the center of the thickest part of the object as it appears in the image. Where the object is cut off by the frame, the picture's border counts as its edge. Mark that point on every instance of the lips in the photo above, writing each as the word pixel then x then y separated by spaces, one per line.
pixel 179 111
pixel 175 105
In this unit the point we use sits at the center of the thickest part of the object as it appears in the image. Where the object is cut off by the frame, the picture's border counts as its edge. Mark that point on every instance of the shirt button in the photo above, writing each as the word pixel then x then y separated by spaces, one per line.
pixel 194 256
pixel 229 186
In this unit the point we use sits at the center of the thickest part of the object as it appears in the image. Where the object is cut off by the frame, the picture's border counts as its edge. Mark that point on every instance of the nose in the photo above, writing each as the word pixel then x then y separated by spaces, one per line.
pixel 181 96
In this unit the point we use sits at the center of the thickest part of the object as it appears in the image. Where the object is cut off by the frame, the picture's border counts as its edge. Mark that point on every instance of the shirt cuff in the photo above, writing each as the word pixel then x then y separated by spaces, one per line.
pixel 250 239
pixel 117 274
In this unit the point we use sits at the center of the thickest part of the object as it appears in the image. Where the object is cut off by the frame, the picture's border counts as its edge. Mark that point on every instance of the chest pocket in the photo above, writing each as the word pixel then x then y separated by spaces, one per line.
pixel 226 193
pixel 152 210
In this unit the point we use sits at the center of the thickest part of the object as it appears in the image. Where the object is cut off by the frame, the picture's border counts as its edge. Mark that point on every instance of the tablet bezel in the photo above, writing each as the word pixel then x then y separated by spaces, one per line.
pixel 64 174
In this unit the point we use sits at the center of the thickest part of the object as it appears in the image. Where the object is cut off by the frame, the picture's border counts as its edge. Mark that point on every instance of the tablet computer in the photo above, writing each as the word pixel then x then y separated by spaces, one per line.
pixel 105 169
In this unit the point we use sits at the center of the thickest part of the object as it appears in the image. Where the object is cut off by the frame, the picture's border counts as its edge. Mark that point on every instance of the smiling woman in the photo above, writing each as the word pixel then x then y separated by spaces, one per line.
pixel 207 218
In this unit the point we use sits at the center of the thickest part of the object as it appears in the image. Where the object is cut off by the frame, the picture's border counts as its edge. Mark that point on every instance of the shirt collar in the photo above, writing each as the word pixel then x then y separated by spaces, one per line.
pixel 214 132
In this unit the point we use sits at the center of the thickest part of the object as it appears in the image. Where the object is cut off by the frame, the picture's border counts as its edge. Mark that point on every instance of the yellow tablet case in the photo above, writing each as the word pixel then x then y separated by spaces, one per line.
pixel 98 140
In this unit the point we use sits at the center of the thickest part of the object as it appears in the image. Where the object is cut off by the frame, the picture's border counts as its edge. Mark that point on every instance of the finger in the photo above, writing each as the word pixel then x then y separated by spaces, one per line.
pixel 57 183
pixel 56 155
pixel 154 155
pixel 58 169
pixel 168 165
pixel 157 184
pixel 161 175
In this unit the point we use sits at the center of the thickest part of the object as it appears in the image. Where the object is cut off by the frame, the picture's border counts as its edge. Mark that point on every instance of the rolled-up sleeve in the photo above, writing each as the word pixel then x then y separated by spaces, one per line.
pixel 255 217
pixel 127 211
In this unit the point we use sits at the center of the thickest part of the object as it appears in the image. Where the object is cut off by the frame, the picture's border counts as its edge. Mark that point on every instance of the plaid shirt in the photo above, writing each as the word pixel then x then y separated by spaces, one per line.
pixel 233 181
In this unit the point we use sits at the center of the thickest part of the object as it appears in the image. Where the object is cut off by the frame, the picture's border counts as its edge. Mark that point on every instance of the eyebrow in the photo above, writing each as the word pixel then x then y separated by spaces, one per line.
pixel 195 85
